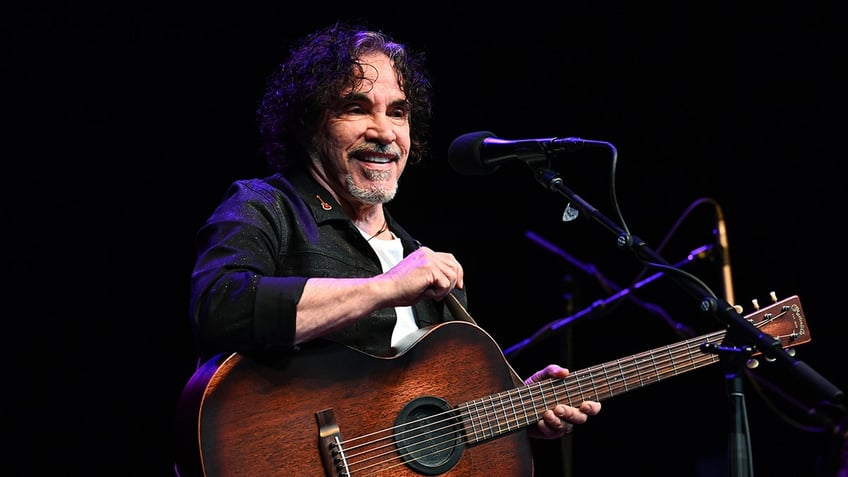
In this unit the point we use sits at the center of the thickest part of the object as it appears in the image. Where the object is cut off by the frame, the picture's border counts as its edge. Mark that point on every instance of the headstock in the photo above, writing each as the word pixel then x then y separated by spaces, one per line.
pixel 783 320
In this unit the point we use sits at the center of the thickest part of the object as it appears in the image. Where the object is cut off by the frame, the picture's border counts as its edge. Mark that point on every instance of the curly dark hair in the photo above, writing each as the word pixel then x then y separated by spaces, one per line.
pixel 319 69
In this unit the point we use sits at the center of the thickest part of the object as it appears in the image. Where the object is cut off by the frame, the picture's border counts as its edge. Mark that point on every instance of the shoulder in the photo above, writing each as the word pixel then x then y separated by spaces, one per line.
pixel 268 190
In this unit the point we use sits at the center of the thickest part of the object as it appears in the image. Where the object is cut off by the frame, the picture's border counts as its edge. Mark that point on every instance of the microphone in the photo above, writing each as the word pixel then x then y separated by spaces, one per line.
pixel 482 152
pixel 721 230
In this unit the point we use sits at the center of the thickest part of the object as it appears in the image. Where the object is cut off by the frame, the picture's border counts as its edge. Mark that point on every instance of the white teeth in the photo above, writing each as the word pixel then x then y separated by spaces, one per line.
pixel 379 160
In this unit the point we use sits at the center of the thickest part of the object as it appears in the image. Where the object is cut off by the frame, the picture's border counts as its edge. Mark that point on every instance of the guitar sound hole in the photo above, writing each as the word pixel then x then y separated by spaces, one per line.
pixel 428 435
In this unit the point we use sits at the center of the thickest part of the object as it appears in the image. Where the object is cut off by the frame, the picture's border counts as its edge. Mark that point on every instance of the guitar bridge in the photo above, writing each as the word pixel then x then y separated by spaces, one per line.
pixel 330 445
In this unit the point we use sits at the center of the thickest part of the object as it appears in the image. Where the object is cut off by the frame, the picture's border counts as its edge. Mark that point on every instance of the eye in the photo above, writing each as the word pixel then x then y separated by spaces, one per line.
pixel 400 111
pixel 352 108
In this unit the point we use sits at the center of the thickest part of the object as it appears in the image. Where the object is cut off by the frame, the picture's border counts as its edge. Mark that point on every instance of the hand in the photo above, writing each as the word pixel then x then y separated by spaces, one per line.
pixel 425 274
pixel 561 419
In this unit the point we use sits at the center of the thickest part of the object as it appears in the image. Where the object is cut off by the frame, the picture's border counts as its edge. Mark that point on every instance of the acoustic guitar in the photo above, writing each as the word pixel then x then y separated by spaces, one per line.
pixel 446 403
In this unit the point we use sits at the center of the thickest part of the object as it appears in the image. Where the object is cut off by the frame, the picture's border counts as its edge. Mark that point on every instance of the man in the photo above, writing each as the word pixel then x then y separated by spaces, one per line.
pixel 311 251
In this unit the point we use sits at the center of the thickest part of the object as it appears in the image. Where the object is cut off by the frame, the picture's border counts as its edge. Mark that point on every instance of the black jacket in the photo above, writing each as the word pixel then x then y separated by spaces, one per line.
pixel 255 253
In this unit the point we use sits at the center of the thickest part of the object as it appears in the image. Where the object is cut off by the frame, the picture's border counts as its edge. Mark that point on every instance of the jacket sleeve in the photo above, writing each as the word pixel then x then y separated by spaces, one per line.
pixel 236 304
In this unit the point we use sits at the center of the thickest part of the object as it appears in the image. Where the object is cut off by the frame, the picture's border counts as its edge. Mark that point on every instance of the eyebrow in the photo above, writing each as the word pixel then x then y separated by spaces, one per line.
pixel 401 103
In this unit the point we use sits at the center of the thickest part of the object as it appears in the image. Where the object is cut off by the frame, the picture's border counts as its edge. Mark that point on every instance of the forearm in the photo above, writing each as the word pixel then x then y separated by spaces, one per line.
pixel 328 304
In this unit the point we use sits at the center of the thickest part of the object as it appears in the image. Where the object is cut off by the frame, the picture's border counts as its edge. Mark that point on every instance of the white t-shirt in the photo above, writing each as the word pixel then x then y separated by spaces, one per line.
pixel 390 253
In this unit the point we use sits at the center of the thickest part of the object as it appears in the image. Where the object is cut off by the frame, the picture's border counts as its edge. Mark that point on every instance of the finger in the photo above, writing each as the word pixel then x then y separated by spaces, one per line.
pixel 590 408
pixel 548 431
pixel 555 427
pixel 449 267
pixel 549 371
pixel 556 371
pixel 570 414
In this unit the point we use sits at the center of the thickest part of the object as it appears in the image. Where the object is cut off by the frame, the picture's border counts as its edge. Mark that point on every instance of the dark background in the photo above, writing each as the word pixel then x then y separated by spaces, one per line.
pixel 126 122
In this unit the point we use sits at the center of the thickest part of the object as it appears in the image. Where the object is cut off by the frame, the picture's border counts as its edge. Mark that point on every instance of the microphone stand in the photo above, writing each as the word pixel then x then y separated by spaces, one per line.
pixel 681 329
pixel 591 270
pixel 741 340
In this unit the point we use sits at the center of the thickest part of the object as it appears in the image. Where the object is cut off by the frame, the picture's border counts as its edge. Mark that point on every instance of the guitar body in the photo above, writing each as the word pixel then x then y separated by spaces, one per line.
pixel 243 417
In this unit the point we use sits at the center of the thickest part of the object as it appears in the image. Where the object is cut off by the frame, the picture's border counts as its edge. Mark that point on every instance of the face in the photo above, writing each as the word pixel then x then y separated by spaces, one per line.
pixel 364 145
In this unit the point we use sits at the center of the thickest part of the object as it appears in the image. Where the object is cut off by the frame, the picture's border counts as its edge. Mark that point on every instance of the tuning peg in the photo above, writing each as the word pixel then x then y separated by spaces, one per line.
pixel 738 308
pixel 789 351
pixel 773 297
pixel 756 304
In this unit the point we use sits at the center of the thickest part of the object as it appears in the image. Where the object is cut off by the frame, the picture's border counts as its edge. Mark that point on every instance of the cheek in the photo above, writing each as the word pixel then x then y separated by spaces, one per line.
pixel 339 134
pixel 403 139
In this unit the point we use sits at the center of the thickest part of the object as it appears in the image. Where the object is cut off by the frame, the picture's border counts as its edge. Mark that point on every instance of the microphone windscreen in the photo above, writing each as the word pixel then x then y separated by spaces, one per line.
pixel 465 154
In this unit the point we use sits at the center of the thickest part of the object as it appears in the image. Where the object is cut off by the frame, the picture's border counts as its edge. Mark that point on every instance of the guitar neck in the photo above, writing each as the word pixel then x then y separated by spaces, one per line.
pixel 508 411
pixel 514 409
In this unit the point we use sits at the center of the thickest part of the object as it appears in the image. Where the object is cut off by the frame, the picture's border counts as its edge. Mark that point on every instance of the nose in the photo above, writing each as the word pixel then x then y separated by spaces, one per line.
pixel 381 129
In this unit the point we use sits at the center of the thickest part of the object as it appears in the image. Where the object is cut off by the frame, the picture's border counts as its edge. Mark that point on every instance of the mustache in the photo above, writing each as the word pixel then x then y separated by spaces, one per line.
pixel 376 148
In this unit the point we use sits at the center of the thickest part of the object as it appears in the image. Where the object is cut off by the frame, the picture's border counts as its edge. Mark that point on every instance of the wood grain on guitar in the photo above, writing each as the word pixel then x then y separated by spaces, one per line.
pixel 330 410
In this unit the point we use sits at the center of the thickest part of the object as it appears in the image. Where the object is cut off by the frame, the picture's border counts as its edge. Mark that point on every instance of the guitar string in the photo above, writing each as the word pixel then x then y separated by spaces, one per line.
pixel 661 367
